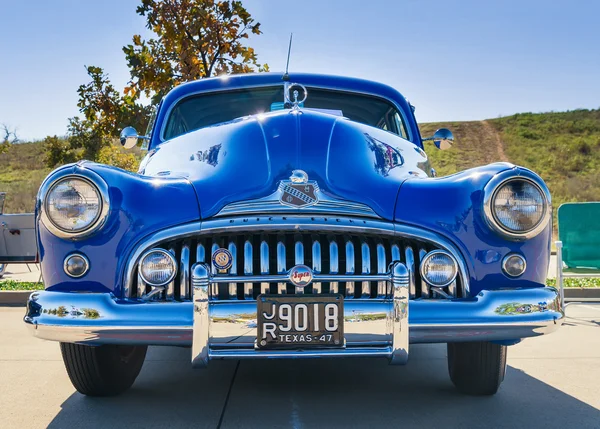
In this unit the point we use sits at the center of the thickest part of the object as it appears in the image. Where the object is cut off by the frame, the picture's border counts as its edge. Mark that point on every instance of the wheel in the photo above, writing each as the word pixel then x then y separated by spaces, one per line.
pixel 105 370
pixel 477 368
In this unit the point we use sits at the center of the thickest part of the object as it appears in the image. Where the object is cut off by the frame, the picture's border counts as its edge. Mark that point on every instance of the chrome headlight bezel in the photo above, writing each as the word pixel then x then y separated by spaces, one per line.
pixel 91 179
pixel 491 190
pixel 169 255
pixel 429 256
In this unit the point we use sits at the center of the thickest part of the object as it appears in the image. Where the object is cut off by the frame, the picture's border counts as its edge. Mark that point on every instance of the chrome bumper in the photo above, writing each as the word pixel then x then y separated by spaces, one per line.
pixel 227 329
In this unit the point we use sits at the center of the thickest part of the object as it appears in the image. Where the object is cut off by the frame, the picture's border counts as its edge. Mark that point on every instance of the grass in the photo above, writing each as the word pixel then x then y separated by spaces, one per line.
pixel 577 282
pixel 15 285
pixel 22 171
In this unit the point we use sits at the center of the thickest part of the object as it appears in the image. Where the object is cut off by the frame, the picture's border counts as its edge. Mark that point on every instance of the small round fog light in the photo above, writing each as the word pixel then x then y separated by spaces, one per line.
pixel 157 267
pixel 514 265
pixel 439 268
pixel 76 265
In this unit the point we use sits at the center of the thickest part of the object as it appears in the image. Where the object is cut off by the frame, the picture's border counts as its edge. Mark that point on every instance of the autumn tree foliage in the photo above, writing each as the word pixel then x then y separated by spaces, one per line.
pixel 193 39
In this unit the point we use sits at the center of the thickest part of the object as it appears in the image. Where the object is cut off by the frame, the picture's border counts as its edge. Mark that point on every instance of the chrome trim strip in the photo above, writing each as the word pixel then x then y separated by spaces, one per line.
pixel 366 268
pixel 200 336
pixel 264 263
pixel 232 289
pixel 275 278
pixel 381 268
pixel 248 270
pixel 281 264
pixel 400 334
pixel 350 268
pixel 424 286
pixel 326 205
pixel 184 272
pixel 170 288
pixel 333 264
pixel 316 263
pixel 410 266
pixel 500 179
pixel 288 223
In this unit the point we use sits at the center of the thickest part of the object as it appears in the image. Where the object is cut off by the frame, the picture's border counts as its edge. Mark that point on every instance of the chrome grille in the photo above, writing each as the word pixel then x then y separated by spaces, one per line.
pixel 261 260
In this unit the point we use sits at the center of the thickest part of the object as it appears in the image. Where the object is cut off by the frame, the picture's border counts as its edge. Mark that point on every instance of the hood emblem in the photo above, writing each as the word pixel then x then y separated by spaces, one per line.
pixel 298 192
pixel 301 276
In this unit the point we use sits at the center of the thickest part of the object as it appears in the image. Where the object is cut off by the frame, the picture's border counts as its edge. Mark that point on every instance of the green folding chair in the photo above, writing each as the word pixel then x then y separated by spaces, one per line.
pixel 578 248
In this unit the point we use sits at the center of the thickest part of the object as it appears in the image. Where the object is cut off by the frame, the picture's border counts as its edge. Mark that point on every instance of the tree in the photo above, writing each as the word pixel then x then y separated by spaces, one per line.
pixel 9 136
pixel 194 39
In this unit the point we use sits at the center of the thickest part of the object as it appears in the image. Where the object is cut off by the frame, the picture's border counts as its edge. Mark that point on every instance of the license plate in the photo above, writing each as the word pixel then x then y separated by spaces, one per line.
pixel 305 321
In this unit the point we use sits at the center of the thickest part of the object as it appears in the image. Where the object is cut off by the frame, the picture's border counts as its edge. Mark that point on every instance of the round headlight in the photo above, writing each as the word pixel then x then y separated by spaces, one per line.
pixel 519 205
pixel 157 267
pixel 516 207
pixel 514 265
pixel 73 204
pixel 438 268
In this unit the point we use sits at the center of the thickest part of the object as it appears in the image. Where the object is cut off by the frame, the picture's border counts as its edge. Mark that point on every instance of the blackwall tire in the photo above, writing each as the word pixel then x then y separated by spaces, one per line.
pixel 477 368
pixel 102 371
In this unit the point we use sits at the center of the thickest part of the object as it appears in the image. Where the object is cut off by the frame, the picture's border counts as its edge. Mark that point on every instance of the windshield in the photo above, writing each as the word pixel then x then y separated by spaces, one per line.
pixel 203 110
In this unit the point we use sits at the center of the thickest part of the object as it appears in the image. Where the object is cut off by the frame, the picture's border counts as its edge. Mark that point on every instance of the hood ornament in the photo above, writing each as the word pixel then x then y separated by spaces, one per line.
pixel 298 192
pixel 291 92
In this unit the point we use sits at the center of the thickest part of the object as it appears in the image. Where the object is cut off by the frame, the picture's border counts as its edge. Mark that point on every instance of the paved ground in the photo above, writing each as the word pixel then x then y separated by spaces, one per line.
pixel 551 382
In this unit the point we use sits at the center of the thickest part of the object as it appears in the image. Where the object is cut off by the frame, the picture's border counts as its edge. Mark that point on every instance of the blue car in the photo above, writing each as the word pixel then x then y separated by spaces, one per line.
pixel 290 217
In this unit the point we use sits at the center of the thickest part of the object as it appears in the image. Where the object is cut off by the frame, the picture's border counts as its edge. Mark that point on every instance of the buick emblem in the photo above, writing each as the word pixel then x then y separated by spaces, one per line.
pixel 298 191
pixel 222 260
pixel 301 276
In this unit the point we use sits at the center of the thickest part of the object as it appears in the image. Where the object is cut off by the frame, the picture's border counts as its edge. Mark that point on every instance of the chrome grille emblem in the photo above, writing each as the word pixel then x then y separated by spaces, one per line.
pixel 298 191
pixel 301 276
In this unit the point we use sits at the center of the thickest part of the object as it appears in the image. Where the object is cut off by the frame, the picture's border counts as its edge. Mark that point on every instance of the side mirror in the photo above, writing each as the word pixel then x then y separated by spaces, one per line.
pixel 442 138
pixel 129 137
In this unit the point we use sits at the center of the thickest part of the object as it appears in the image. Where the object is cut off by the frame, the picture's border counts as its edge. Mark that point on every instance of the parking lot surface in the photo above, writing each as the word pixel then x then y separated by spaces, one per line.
pixel 551 382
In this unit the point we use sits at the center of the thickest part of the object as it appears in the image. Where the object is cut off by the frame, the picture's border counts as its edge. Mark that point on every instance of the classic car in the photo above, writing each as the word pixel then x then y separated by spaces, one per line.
pixel 290 217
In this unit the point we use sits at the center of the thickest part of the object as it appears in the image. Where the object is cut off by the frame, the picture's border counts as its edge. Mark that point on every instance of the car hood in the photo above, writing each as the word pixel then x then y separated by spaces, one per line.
pixel 246 159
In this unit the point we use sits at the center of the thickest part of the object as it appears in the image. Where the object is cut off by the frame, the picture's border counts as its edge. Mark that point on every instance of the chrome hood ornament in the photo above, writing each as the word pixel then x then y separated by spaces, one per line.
pixel 298 192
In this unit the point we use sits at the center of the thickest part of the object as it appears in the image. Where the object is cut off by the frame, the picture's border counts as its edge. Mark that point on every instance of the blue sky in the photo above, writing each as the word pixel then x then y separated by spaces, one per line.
pixel 455 60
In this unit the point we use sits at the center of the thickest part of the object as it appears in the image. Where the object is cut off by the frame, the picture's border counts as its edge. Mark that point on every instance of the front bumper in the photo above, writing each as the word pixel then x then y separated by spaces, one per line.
pixel 227 329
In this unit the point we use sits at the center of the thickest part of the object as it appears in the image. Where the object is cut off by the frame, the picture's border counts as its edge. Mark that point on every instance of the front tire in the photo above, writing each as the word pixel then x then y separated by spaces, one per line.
pixel 102 371
pixel 477 368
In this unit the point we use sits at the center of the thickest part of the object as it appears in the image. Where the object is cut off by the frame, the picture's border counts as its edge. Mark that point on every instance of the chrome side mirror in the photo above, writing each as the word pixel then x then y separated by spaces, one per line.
pixel 442 138
pixel 129 137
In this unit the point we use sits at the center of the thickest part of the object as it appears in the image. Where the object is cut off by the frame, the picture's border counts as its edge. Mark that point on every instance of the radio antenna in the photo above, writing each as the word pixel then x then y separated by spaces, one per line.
pixel 286 76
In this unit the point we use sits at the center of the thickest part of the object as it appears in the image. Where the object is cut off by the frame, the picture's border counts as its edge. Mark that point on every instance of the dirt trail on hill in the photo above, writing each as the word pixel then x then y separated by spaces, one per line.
pixel 489 133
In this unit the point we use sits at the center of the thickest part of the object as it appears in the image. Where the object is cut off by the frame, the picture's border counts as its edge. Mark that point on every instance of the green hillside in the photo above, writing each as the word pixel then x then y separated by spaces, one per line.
pixel 564 148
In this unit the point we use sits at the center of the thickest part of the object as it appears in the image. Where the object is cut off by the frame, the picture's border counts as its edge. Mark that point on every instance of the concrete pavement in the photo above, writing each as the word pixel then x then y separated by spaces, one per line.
pixel 551 382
